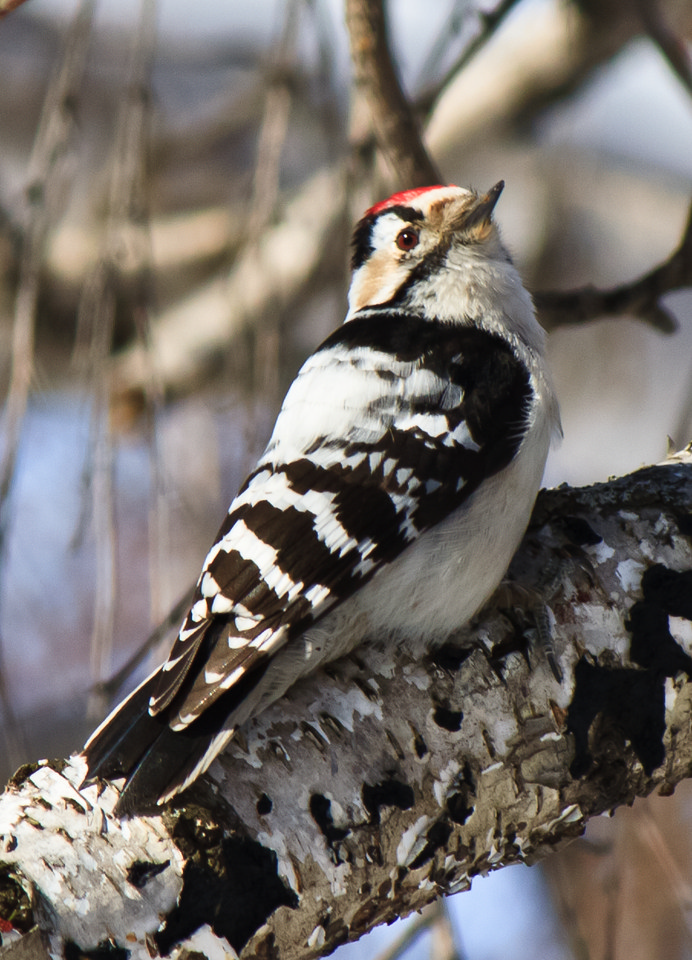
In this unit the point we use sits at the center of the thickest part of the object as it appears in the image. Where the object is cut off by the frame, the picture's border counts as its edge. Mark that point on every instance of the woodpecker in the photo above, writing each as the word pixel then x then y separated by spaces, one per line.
pixel 393 492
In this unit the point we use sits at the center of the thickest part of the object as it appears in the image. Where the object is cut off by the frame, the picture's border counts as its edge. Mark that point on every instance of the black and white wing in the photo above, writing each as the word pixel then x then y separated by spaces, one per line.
pixel 389 426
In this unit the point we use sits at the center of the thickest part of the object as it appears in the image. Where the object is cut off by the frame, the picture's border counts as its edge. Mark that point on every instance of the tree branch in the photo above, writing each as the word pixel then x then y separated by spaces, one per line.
pixel 672 47
pixel 397 132
pixel 379 785
pixel 640 299
pixel 188 336
pixel 45 193
pixel 7 6
pixel 489 22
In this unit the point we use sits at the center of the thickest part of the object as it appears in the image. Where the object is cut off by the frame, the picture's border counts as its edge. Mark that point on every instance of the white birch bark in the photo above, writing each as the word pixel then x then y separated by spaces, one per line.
pixel 383 783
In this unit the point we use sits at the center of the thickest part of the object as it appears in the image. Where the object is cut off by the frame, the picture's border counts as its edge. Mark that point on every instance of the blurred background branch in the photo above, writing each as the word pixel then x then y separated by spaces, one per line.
pixel 7 6
pixel 639 299
pixel 391 116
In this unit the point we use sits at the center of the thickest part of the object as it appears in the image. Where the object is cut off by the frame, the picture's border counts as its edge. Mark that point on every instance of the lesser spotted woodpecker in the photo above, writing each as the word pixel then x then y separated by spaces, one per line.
pixel 395 488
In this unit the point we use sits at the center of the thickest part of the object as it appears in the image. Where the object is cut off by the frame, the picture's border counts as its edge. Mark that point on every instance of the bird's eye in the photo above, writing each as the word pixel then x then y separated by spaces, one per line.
pixel 407 239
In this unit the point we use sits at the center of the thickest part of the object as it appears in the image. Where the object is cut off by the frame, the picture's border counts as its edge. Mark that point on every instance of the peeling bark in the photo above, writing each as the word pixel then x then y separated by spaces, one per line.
pixel 382 783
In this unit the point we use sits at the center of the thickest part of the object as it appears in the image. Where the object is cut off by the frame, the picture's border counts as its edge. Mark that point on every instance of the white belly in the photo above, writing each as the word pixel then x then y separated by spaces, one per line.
pixel 434 587
pixel 442 580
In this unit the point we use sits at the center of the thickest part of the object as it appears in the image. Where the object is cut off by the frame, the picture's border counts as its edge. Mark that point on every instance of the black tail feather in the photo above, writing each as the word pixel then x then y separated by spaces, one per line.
pixel 116 746
pixel 162 770
pixel 154 759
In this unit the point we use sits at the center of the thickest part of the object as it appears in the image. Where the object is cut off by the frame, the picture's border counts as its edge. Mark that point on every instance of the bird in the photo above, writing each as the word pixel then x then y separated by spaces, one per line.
pixel 394 490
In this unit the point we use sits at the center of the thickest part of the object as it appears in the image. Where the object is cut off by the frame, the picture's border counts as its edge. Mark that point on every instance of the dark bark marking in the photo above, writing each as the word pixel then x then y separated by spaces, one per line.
pixel 141 872
pixel 448 719
pixel 389 793
pixel 436 837
pixel 321 813
pixel 231 883
pixel 264 806
pixel 631 703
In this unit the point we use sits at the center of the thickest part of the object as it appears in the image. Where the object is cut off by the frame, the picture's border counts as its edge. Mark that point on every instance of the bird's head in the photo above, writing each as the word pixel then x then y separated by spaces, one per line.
pixel 427 249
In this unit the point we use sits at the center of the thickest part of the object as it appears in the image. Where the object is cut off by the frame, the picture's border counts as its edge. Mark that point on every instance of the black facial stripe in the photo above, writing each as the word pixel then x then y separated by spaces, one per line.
pixel 407 214
pixel 431 264
pixel 361 244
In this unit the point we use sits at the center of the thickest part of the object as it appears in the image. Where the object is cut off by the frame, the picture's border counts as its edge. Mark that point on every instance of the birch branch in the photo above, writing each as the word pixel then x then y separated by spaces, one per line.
pixel 383 783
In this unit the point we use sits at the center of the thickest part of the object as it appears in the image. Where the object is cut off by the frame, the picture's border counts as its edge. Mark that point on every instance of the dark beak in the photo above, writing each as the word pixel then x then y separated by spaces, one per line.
pixel 481 212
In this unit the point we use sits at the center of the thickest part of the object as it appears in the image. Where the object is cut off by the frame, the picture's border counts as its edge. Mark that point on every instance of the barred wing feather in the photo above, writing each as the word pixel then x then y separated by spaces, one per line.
pixel 323 512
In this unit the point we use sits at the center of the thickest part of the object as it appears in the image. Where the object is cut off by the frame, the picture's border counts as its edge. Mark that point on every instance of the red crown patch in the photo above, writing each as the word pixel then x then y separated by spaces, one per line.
pixel 403 198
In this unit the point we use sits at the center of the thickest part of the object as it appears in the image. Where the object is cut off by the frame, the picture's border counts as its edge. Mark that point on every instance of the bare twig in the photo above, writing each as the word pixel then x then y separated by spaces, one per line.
pixel 273 129
pixel 265 192
pixel 639 298
pixel 45 192
pixel 328 77
pixel 432 919
pixel 106 690
pixel 269 273
pixel 444 940
pixel 395 126
pixel 126 244
pixel 488 23
pixel 671 46
pixel 651 834
pixel 413 929
pixel 104 528
pixel 683 426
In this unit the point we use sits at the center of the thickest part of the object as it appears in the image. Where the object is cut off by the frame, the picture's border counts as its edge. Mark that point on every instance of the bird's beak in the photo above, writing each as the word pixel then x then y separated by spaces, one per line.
pixel 477 215
pixel 482 211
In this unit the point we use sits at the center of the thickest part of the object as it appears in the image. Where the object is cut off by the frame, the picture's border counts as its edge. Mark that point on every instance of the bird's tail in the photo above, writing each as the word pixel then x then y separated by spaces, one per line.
pixel 156 761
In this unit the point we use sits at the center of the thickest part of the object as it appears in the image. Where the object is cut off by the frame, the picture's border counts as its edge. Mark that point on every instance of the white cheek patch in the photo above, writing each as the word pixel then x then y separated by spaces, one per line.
pixel 387 267
pixel 377 281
